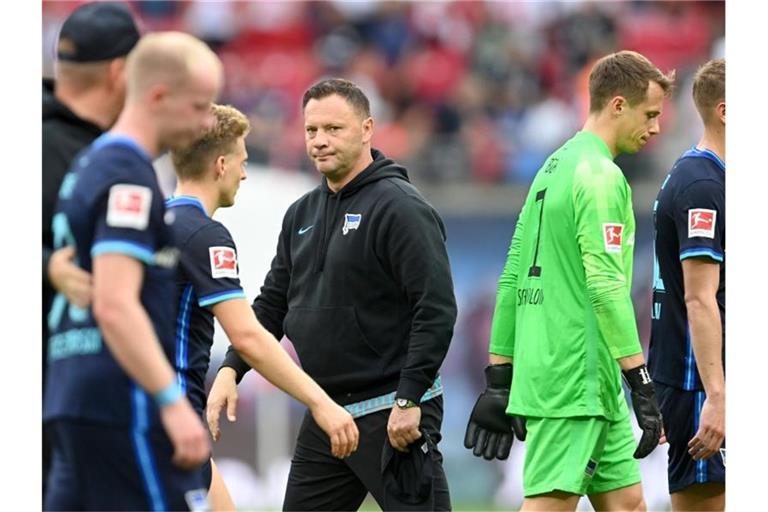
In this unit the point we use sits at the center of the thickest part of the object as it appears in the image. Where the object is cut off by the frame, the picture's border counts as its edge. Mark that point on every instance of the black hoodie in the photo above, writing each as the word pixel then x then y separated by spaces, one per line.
pixel 64 135
pixel 362 286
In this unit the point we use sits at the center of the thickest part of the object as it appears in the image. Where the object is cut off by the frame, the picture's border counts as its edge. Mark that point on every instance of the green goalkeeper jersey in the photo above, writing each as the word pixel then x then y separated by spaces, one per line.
pixel 563 308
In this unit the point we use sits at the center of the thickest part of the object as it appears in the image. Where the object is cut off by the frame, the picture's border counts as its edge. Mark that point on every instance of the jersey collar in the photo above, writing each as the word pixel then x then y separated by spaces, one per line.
pixel 121 140
pixel 174 201
pixel 598 142
pixel 705 153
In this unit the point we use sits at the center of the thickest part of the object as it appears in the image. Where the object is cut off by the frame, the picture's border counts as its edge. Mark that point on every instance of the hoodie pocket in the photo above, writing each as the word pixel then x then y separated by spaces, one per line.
pixel 330 344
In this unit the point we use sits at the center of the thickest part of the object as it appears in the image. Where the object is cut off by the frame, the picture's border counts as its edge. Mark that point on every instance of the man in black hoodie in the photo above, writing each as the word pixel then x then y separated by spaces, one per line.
pixel 85 100
pixel 362 286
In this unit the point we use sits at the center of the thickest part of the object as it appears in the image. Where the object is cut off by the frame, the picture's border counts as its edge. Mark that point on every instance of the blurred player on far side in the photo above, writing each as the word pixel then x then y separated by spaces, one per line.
pixel 124 435
pixel 79 104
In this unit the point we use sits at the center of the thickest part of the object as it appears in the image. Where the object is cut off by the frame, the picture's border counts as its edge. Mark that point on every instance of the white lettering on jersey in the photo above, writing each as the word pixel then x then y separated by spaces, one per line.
pixel 612 234
pixel 223 262
pixel 701 222
pixel 129 206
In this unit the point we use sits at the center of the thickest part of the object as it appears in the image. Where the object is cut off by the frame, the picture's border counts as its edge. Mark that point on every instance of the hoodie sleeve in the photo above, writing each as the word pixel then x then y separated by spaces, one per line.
pixel 271 305
pixel 413 243
pixel 55 166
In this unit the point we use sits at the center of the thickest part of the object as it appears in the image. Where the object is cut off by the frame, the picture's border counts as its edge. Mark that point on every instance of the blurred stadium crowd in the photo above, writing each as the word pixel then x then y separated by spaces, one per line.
pixel 468 95
pixel 462 92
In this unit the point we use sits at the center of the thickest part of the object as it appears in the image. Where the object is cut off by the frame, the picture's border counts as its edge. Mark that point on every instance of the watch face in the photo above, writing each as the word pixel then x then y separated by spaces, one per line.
pixel 404 403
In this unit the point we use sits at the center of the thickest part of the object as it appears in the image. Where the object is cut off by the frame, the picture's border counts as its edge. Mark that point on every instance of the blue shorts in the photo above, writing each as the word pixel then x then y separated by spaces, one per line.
pixel 101 467
pixel 681 411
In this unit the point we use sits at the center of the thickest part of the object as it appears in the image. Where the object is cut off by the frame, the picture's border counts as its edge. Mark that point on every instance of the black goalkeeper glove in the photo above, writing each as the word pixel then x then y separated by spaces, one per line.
pixel 646 409
pixel 490 430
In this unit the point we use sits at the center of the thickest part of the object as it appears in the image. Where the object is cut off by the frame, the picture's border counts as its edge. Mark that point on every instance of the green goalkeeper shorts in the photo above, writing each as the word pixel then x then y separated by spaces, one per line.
pixel 581 455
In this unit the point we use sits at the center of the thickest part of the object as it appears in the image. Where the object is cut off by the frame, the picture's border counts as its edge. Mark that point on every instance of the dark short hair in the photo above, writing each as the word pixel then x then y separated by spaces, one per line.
pixel 625 73
pixel 344 88
pixel 709 86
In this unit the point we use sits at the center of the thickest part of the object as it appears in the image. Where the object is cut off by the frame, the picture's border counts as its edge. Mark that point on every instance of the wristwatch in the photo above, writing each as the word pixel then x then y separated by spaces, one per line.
pixel 404 403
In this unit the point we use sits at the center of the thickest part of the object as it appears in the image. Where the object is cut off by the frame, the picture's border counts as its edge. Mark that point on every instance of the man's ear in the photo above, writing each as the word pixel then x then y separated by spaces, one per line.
pixel 218 166
pixel 116 72
pixel 157 94
pixel 618 105
pixel 367 129
pixel 720 109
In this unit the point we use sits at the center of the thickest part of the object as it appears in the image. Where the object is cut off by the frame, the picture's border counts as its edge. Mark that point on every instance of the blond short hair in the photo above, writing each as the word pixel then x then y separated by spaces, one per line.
pixel 166 58
pixel 192 162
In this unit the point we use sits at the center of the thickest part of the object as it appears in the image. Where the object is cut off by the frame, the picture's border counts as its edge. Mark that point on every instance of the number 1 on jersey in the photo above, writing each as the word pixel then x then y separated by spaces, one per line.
pixel 535 270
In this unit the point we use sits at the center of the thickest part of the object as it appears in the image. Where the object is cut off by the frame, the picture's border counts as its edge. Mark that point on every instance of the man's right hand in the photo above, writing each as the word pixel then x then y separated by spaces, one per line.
pixel 68 278
pixel 190 442
pixel 491 431
pixel 223 394
pixel 340 426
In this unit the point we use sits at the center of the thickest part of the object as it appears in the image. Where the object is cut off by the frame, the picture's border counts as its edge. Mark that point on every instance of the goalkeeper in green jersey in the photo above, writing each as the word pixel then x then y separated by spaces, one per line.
pixel 564 330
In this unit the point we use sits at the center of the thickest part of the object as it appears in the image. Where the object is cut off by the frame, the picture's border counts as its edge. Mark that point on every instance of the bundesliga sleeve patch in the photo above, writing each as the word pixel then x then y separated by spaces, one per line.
pixel 701 223
pixel 129 206
pixel 223 262
pixel 612 234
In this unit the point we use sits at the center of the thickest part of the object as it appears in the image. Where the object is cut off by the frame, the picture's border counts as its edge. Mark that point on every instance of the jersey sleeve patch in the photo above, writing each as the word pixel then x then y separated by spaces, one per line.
pixel 129 206
pixel 612 235
pixel 701 222
pixel 223 262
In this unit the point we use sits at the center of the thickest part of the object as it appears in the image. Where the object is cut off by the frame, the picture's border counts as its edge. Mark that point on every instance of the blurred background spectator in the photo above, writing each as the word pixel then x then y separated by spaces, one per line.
pixel 468 92
pixel 471 97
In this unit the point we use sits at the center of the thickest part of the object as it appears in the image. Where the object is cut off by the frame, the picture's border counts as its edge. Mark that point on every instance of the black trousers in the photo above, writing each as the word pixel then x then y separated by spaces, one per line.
pixel 320 481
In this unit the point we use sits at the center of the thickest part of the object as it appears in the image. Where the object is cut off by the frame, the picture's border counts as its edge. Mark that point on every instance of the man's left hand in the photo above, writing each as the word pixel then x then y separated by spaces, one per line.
pixel 403 427
pixel 711 434
pixel 69 279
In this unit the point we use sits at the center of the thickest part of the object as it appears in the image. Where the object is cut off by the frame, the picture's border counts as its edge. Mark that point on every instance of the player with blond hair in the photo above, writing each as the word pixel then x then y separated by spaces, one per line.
pixel 209 173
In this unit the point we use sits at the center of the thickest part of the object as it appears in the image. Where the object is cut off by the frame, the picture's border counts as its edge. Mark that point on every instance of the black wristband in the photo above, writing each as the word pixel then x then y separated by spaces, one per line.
pixel 638 378
pixel 499 375
pixel 233 360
